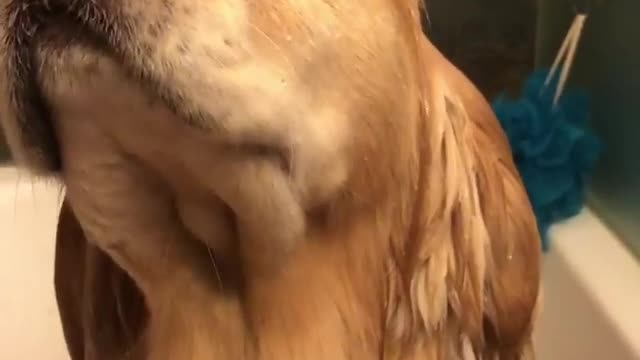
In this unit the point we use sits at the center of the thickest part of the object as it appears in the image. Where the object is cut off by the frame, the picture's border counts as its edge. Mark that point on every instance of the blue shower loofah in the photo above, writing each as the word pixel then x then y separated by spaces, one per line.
pixel 552 148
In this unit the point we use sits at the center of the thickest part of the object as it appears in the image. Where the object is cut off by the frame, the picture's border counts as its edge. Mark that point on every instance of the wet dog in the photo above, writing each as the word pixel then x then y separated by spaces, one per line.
pixel 268 181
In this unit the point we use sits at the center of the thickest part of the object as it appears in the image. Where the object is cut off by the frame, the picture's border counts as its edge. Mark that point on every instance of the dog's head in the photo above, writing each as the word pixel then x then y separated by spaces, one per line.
pixel 312 86
pixel 293 126
pixel 247 73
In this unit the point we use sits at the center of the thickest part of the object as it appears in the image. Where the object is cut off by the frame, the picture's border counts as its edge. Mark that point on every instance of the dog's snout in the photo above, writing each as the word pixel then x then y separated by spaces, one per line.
pixel 33 30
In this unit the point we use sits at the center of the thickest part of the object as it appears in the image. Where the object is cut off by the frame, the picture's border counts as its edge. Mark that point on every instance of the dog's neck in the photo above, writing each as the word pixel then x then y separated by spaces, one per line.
pixel 326 300
pixel 333 291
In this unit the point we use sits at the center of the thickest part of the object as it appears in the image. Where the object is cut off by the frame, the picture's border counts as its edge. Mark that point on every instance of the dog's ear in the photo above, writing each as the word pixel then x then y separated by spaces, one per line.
pixel 101 309
pixel 475 244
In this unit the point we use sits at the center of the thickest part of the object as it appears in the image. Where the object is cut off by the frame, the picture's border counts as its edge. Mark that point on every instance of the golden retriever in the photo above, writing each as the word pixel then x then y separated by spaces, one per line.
pixel 268 180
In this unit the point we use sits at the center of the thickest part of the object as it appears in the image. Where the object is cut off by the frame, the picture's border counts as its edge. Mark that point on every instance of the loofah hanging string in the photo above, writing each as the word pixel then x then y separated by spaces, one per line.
pixel 567 53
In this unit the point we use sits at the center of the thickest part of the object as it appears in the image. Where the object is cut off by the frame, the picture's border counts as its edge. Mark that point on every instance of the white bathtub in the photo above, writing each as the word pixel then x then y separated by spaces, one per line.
pixel 29 323
pixel 591 309
pixel 592 295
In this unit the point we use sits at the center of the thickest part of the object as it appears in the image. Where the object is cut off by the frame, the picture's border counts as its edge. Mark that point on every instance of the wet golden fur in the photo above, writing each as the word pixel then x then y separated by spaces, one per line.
pixel 271 181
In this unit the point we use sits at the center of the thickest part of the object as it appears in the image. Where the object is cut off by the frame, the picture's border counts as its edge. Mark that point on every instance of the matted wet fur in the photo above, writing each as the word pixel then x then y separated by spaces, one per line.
pixel 268 180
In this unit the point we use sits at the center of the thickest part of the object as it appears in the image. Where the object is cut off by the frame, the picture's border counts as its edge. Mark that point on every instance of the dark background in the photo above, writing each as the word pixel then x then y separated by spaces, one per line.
pixel 491 41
